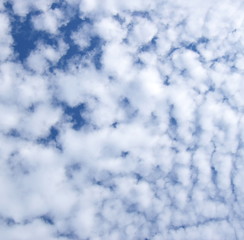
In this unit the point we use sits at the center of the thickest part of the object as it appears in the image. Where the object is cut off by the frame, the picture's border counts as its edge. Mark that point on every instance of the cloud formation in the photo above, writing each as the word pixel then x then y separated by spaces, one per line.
pixel 121 120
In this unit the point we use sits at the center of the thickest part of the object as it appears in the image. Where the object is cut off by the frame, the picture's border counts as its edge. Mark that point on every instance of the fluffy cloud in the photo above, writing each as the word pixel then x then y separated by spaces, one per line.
pixel 6 38
pixel 121 119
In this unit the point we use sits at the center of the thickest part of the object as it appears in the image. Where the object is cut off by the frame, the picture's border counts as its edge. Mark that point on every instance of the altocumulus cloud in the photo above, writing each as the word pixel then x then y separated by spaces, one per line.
pixel 121 120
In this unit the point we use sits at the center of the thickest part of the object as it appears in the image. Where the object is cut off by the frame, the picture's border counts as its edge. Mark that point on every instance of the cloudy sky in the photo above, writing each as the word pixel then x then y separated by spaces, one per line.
pixel 121 120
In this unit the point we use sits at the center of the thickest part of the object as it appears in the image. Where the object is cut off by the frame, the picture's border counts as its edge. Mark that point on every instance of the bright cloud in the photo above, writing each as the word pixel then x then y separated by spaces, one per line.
pixel 121 120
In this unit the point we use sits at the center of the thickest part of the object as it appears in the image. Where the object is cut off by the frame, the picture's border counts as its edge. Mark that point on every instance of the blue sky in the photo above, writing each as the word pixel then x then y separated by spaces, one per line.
pixel 121 120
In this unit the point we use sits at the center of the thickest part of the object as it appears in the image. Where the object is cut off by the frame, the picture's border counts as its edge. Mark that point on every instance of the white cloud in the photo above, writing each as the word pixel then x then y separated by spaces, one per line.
pixel 49 21
pixel 143 31
pixel 110 30
pixel 160 153
pixel 23 8
pixel 45 56
pixel 5 38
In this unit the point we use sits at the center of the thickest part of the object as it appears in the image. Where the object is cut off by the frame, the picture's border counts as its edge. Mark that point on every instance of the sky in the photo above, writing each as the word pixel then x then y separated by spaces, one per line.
pixel 121 120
